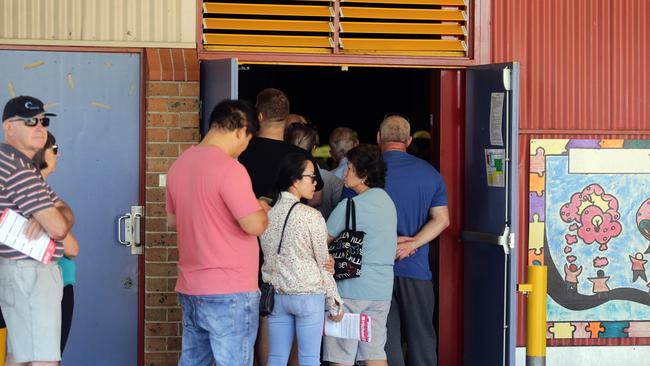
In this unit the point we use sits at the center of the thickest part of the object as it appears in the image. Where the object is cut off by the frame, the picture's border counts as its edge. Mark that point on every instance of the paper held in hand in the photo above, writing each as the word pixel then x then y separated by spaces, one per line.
pixel 352 326
pixel 12 234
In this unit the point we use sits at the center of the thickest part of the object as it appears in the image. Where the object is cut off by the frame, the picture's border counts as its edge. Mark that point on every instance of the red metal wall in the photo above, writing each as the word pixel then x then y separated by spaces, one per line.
pixel 584 74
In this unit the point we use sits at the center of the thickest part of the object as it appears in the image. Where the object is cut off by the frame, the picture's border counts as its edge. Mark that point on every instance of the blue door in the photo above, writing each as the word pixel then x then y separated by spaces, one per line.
pixel 97 99
pixel 490 214
pixel 219 81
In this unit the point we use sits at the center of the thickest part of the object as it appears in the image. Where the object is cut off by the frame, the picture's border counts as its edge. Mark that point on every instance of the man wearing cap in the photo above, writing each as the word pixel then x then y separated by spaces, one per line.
pixel 30 291
pixel 419 194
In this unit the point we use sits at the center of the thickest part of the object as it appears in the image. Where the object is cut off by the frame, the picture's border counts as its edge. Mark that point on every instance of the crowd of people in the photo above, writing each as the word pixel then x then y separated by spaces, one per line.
pixel 251 205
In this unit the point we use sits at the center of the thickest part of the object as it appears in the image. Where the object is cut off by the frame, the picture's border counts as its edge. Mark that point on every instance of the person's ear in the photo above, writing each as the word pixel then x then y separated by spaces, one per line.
pixel 7 128
pixel 378 138
pixel 260 118
pixel 408 142
pixel 241 133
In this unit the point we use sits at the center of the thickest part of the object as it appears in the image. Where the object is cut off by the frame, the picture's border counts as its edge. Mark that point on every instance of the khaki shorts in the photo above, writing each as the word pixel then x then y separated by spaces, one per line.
pixel 347 351
pixel 30 298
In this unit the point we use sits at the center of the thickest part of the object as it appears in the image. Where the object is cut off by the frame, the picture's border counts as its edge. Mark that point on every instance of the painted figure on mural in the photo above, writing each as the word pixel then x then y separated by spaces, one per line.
pixel 638 267
pixel 600 282
pixel 571 274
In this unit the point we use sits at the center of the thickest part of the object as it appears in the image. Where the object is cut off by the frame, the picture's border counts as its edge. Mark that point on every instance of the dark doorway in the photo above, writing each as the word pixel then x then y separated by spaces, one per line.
pixel 358 98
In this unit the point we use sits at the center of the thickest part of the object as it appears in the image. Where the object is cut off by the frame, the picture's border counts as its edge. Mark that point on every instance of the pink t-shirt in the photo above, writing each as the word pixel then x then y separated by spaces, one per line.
pixel 209 191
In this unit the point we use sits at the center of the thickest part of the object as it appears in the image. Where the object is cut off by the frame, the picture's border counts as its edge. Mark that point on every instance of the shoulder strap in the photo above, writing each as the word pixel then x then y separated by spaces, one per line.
pixel 350 216
pixel 285 225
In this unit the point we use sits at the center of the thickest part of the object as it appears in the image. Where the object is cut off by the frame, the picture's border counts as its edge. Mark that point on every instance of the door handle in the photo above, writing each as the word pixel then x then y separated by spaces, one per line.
pixel 123 239
pixel 132 224
pixel 137 213
pixel 505 240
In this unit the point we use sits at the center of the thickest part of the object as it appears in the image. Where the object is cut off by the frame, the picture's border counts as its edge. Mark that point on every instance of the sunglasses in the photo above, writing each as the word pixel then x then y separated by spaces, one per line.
pixel 312 176
pixel 33 121
pixel 55 149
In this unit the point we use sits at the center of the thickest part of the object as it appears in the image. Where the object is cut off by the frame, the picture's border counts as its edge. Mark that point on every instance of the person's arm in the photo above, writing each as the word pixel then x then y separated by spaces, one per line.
pixel 254 223
pixel 318 236
pixel 65 210
pixel 50 220
pixel 438 221
pixel 70 246
pixel 171 220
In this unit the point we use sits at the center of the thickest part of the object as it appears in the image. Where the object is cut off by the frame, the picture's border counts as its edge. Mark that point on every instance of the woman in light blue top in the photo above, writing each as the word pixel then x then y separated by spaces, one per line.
pixel 46 160
pixel 370 293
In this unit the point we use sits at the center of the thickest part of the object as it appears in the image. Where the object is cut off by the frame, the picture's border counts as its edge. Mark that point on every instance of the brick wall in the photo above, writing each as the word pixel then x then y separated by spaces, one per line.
pixel 172 125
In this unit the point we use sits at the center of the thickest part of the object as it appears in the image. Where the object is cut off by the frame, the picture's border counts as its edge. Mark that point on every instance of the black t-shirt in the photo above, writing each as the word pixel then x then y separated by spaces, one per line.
pixel 262 159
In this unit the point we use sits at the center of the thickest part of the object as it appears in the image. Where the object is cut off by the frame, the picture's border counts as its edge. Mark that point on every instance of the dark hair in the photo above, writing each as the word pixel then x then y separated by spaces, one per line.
pixel 369 164
pixel 301 135
pixel 290 170
pixel 231 114
pixel 39 157
pixel 273 104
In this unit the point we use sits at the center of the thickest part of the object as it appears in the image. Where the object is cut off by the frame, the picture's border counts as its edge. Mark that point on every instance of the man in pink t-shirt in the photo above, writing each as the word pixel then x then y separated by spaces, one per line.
pixel 210 202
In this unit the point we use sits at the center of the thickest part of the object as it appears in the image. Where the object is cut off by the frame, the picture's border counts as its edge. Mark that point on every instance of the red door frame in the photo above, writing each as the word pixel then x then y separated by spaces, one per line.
pixel 451 282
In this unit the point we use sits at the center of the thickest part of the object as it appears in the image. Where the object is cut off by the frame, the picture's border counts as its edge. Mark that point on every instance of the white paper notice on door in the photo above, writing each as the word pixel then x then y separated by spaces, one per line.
pixel 12 234
pixel 494 167
pixel 352 326
pixel 496 118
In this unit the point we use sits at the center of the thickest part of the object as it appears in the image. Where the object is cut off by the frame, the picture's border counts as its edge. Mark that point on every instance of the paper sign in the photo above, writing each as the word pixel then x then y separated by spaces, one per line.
pixel 12 234
pixel 494 166
pixel 496 118
pixel 352 326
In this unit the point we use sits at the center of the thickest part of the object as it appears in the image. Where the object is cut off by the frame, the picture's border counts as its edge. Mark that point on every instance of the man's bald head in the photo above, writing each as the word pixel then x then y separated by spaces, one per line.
pixel 394 129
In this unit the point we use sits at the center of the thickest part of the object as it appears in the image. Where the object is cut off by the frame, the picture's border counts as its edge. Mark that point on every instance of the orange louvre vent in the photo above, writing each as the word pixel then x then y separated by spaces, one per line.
pixel 370 27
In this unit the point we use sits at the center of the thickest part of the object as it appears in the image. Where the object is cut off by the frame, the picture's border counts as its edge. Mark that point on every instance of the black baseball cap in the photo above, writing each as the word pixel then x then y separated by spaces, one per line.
pixel 23 106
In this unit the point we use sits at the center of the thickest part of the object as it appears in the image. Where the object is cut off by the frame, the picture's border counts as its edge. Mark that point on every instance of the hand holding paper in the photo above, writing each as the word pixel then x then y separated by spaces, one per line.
pixel 13 234
pixel 352 326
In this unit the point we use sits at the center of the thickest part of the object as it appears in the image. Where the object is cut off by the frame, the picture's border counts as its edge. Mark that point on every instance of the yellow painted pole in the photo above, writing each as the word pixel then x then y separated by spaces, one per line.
pixel 535 315
pixel 3 343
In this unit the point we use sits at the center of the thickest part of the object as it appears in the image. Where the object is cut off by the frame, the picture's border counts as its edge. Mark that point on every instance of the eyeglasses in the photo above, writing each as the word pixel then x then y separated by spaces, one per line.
pixel 312 176
pixel 33 121
pixel 55 149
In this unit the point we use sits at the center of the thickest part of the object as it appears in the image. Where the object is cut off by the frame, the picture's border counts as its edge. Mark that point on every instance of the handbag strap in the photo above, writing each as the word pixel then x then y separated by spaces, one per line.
pixel 350 216
pixel 282 236
pixel 285 225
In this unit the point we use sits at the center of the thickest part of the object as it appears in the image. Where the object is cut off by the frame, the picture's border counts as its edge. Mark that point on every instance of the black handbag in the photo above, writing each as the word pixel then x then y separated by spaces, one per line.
pixel 267 290
pixel 346 248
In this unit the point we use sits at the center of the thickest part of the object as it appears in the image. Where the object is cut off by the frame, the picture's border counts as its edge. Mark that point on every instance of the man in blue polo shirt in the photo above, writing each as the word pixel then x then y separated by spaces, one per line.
pixel 419 194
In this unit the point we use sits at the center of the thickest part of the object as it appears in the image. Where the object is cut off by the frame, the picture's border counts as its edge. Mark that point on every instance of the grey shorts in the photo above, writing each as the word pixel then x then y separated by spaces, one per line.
pixel 30 298
pixel 347 351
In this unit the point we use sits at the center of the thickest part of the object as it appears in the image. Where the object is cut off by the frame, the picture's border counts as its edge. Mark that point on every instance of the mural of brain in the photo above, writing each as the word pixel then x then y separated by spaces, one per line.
pixel 593 194
pixel 598 226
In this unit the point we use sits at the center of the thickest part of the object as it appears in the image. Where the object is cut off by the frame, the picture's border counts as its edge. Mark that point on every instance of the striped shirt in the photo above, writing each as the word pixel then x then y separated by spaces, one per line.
pixel 23 190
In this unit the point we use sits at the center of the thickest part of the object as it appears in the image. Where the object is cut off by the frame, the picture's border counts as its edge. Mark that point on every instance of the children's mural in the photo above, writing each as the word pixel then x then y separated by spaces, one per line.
pixel 589 223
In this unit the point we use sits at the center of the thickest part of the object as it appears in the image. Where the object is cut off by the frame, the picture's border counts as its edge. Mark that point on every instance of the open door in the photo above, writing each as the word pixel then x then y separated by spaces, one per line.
pixel 490 214
pixel 219 81
pixel 97 129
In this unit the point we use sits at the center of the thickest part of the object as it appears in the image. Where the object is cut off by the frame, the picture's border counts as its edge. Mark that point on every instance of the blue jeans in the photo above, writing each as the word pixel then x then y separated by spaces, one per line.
pixel 302 315
pixel 219 327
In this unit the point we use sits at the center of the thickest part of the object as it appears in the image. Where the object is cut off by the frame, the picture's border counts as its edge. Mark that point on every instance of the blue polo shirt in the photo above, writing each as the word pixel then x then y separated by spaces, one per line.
pixel 414 186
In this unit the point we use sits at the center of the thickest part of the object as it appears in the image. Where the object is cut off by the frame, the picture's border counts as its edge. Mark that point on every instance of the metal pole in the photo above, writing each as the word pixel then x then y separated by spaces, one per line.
pixel 3 342
pixel 535 315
